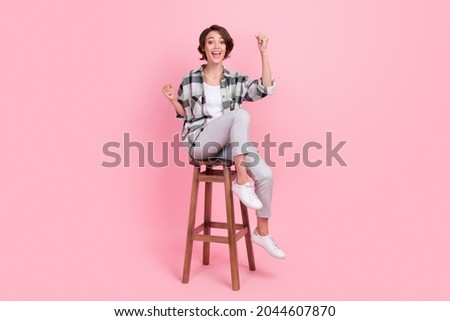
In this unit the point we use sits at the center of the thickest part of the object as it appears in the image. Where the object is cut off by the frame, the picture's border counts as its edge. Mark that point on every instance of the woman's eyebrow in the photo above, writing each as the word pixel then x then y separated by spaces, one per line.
pixel 220 38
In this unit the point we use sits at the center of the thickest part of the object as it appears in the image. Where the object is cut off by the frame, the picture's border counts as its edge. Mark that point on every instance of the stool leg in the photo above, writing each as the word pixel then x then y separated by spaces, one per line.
pixel 231 229
pixel 248 241
pixel 207 218
pixel 190 228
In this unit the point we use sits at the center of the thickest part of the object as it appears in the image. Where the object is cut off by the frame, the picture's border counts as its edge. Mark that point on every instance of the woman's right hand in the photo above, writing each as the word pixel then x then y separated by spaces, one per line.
pixel 168 92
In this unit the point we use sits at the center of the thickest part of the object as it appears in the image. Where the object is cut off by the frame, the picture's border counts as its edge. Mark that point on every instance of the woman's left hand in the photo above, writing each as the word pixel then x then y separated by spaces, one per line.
pixel 262 42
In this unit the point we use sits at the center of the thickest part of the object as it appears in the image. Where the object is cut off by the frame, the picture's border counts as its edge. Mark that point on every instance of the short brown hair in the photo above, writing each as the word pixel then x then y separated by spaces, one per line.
pixel 223 33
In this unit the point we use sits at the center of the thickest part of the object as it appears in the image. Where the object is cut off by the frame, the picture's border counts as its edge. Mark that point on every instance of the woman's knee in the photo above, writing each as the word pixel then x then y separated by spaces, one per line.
pixel 242 115
pixel 266 174
pixel 257 167
pixel 263 175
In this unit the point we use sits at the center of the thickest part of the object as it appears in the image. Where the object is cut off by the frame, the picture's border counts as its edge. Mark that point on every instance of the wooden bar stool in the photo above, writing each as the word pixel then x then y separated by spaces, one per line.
pixel 235 231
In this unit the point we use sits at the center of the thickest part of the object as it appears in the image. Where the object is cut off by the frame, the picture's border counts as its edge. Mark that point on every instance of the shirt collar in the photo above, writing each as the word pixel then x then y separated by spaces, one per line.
pixel 226 72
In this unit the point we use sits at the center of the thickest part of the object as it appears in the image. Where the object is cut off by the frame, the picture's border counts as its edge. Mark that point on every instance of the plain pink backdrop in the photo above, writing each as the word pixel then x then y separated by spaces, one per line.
pixel 77 74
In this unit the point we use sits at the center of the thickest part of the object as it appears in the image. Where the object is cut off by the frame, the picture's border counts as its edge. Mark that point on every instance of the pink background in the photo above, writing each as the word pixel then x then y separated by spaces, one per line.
pixel 77 74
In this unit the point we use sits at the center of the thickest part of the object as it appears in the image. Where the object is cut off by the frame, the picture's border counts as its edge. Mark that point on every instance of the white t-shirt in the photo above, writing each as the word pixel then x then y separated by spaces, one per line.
pixel 213 101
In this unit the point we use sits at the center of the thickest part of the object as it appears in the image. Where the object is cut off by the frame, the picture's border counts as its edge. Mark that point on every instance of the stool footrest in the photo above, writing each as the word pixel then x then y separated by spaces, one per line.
pixel 210 238
pixel 216 238
pixel 210 178
pixel 241 233
pixel 224 225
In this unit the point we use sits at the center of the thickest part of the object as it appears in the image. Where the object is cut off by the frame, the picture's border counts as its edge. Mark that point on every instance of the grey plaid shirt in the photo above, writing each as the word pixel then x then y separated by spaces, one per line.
pixel 235 88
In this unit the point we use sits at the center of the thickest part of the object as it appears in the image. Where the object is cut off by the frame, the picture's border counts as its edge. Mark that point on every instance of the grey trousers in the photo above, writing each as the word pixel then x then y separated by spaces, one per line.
pixel 228 136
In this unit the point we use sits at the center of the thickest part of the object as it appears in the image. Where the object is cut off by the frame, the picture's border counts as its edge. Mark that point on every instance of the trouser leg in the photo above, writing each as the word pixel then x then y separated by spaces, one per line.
pixel 261 173
pixel 232 129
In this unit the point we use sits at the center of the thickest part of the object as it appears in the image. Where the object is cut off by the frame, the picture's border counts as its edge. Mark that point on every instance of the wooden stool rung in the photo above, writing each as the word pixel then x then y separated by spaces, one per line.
pixel 224 225
pixel 196 236
pixel 241 233
pixel 199 229
pixel 211 238
pixel 220 225
pixel 210 178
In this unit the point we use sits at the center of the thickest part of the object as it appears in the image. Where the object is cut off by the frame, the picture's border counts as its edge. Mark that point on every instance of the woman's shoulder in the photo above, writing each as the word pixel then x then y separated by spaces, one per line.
pixel 235 75
pixel 230 72
pixel 192 72
pixel 192 76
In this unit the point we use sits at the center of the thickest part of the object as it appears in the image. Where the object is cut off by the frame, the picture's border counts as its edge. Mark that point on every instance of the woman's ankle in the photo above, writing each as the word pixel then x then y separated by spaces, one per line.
pixel 262 232
pixel 242 181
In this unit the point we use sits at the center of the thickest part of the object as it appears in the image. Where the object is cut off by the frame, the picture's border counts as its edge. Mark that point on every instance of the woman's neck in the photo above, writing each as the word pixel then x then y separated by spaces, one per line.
pixel 213 69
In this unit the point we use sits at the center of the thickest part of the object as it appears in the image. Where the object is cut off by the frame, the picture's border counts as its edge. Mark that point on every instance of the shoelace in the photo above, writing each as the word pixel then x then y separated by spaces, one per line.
pixel 273 244
pixel 249 191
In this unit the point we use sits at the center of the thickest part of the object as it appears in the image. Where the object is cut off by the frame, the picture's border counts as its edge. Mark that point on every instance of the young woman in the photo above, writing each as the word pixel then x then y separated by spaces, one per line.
pixel 209 101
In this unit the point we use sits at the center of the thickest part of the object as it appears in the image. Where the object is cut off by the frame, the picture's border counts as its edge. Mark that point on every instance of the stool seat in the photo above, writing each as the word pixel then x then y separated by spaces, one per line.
pixel 235 231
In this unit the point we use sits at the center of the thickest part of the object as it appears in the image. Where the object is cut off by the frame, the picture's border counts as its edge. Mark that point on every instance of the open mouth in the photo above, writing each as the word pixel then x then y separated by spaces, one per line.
pixel 216 54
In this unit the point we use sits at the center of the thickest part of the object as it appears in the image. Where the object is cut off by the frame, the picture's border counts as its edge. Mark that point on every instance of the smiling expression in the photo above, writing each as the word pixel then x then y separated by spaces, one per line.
pixel 215 47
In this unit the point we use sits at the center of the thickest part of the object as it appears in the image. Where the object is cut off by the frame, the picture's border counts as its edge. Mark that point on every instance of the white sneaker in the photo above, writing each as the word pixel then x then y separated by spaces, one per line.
pixel 268 244
pixel 247 195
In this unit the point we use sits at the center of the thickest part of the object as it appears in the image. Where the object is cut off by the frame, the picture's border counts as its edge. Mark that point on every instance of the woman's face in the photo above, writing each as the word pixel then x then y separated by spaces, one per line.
pixel 214 47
